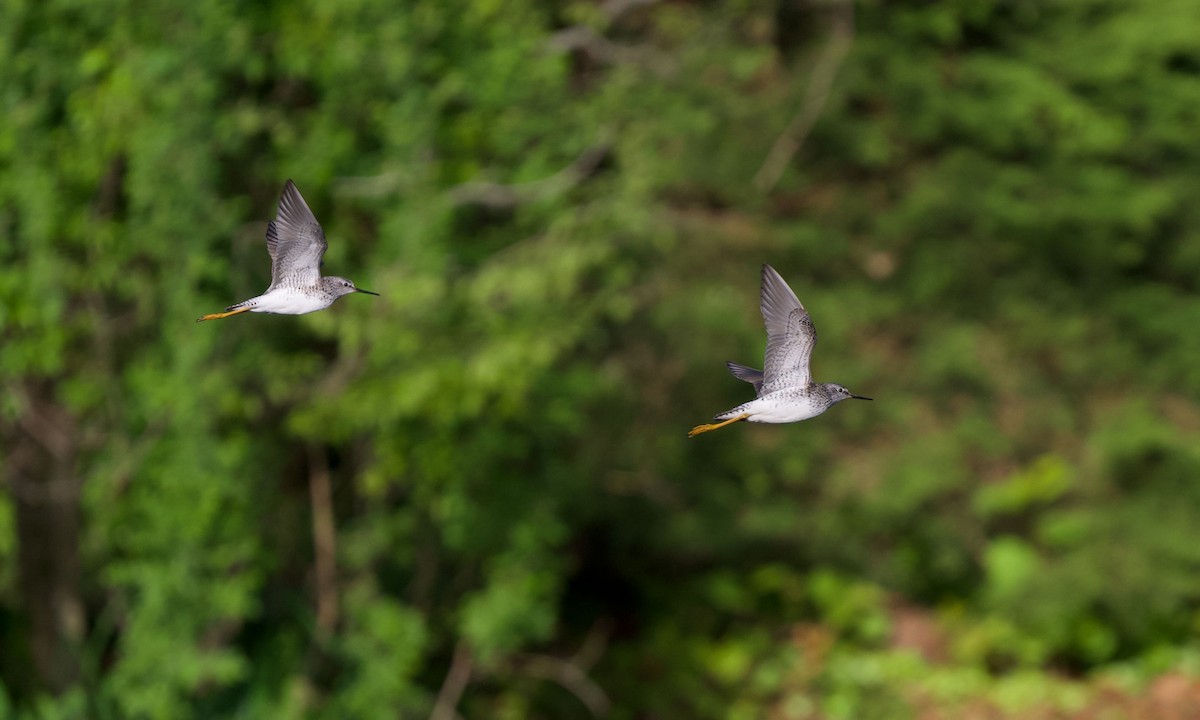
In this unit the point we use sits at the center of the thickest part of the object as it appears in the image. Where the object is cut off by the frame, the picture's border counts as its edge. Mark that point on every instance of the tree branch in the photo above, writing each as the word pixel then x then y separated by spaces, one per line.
pixel 572 677
pixel 820 83
pixel 50 432
pixel 496 196
pixel 372 186
pixel 614 10
pixel 593 645
pixel 454 685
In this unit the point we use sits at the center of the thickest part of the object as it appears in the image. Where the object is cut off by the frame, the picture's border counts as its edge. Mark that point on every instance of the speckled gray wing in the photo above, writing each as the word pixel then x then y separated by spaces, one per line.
pixel 295 241
pixel 790 335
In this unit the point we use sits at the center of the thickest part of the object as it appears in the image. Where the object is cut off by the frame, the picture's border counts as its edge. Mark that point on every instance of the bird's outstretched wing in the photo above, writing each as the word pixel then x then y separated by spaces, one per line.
pixel 295 241
pixel 749 374
pixel 790 335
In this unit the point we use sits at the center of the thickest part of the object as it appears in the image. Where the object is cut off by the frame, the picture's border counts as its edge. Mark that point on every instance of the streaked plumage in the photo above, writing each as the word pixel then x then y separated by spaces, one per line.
pixel 786 392
pixel 296 244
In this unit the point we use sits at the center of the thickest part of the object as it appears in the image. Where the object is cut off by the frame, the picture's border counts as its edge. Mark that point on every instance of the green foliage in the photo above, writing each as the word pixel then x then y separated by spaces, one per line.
pixel 992 222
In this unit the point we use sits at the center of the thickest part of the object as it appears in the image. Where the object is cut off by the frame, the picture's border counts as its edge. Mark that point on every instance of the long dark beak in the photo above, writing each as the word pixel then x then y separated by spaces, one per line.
pixel 860 397
pixel 367 292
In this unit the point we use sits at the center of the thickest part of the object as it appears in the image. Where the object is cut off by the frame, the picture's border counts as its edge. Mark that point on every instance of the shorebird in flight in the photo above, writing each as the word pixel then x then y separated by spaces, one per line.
pixel 786 391
pixel 296 244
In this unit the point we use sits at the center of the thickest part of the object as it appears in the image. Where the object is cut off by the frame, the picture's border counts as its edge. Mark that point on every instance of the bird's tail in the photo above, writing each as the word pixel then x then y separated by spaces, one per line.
pixel 739 410
pixel 247 304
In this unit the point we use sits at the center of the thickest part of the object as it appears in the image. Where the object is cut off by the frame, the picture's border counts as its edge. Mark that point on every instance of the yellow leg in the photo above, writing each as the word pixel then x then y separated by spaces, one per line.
pixel 705 428
pixel 218 316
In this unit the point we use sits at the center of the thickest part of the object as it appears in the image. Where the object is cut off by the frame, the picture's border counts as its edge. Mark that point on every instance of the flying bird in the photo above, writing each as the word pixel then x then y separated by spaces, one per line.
pixel 296 244
pixel 785 388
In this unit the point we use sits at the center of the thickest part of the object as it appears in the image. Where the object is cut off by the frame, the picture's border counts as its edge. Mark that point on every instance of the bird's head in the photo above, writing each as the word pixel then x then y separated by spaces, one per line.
pixel 341 286
pixel 837 393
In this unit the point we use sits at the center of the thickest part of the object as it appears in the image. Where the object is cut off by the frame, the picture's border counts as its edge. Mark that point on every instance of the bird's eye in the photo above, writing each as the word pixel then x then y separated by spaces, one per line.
pixel 346 284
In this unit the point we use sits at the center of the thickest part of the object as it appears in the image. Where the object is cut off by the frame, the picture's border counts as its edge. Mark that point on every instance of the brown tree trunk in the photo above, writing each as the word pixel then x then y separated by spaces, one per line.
pixel 41 473
pixel 324 535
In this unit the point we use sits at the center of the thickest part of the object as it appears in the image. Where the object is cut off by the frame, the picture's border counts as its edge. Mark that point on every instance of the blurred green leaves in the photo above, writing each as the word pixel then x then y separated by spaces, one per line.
pixel 993 224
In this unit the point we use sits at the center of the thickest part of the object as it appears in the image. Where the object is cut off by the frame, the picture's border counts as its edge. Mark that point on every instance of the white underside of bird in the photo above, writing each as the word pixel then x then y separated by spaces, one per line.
pixel 777 407
pixel 287 301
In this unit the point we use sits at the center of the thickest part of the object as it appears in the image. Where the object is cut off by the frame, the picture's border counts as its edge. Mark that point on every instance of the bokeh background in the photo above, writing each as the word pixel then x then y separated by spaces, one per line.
pixel 473 496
